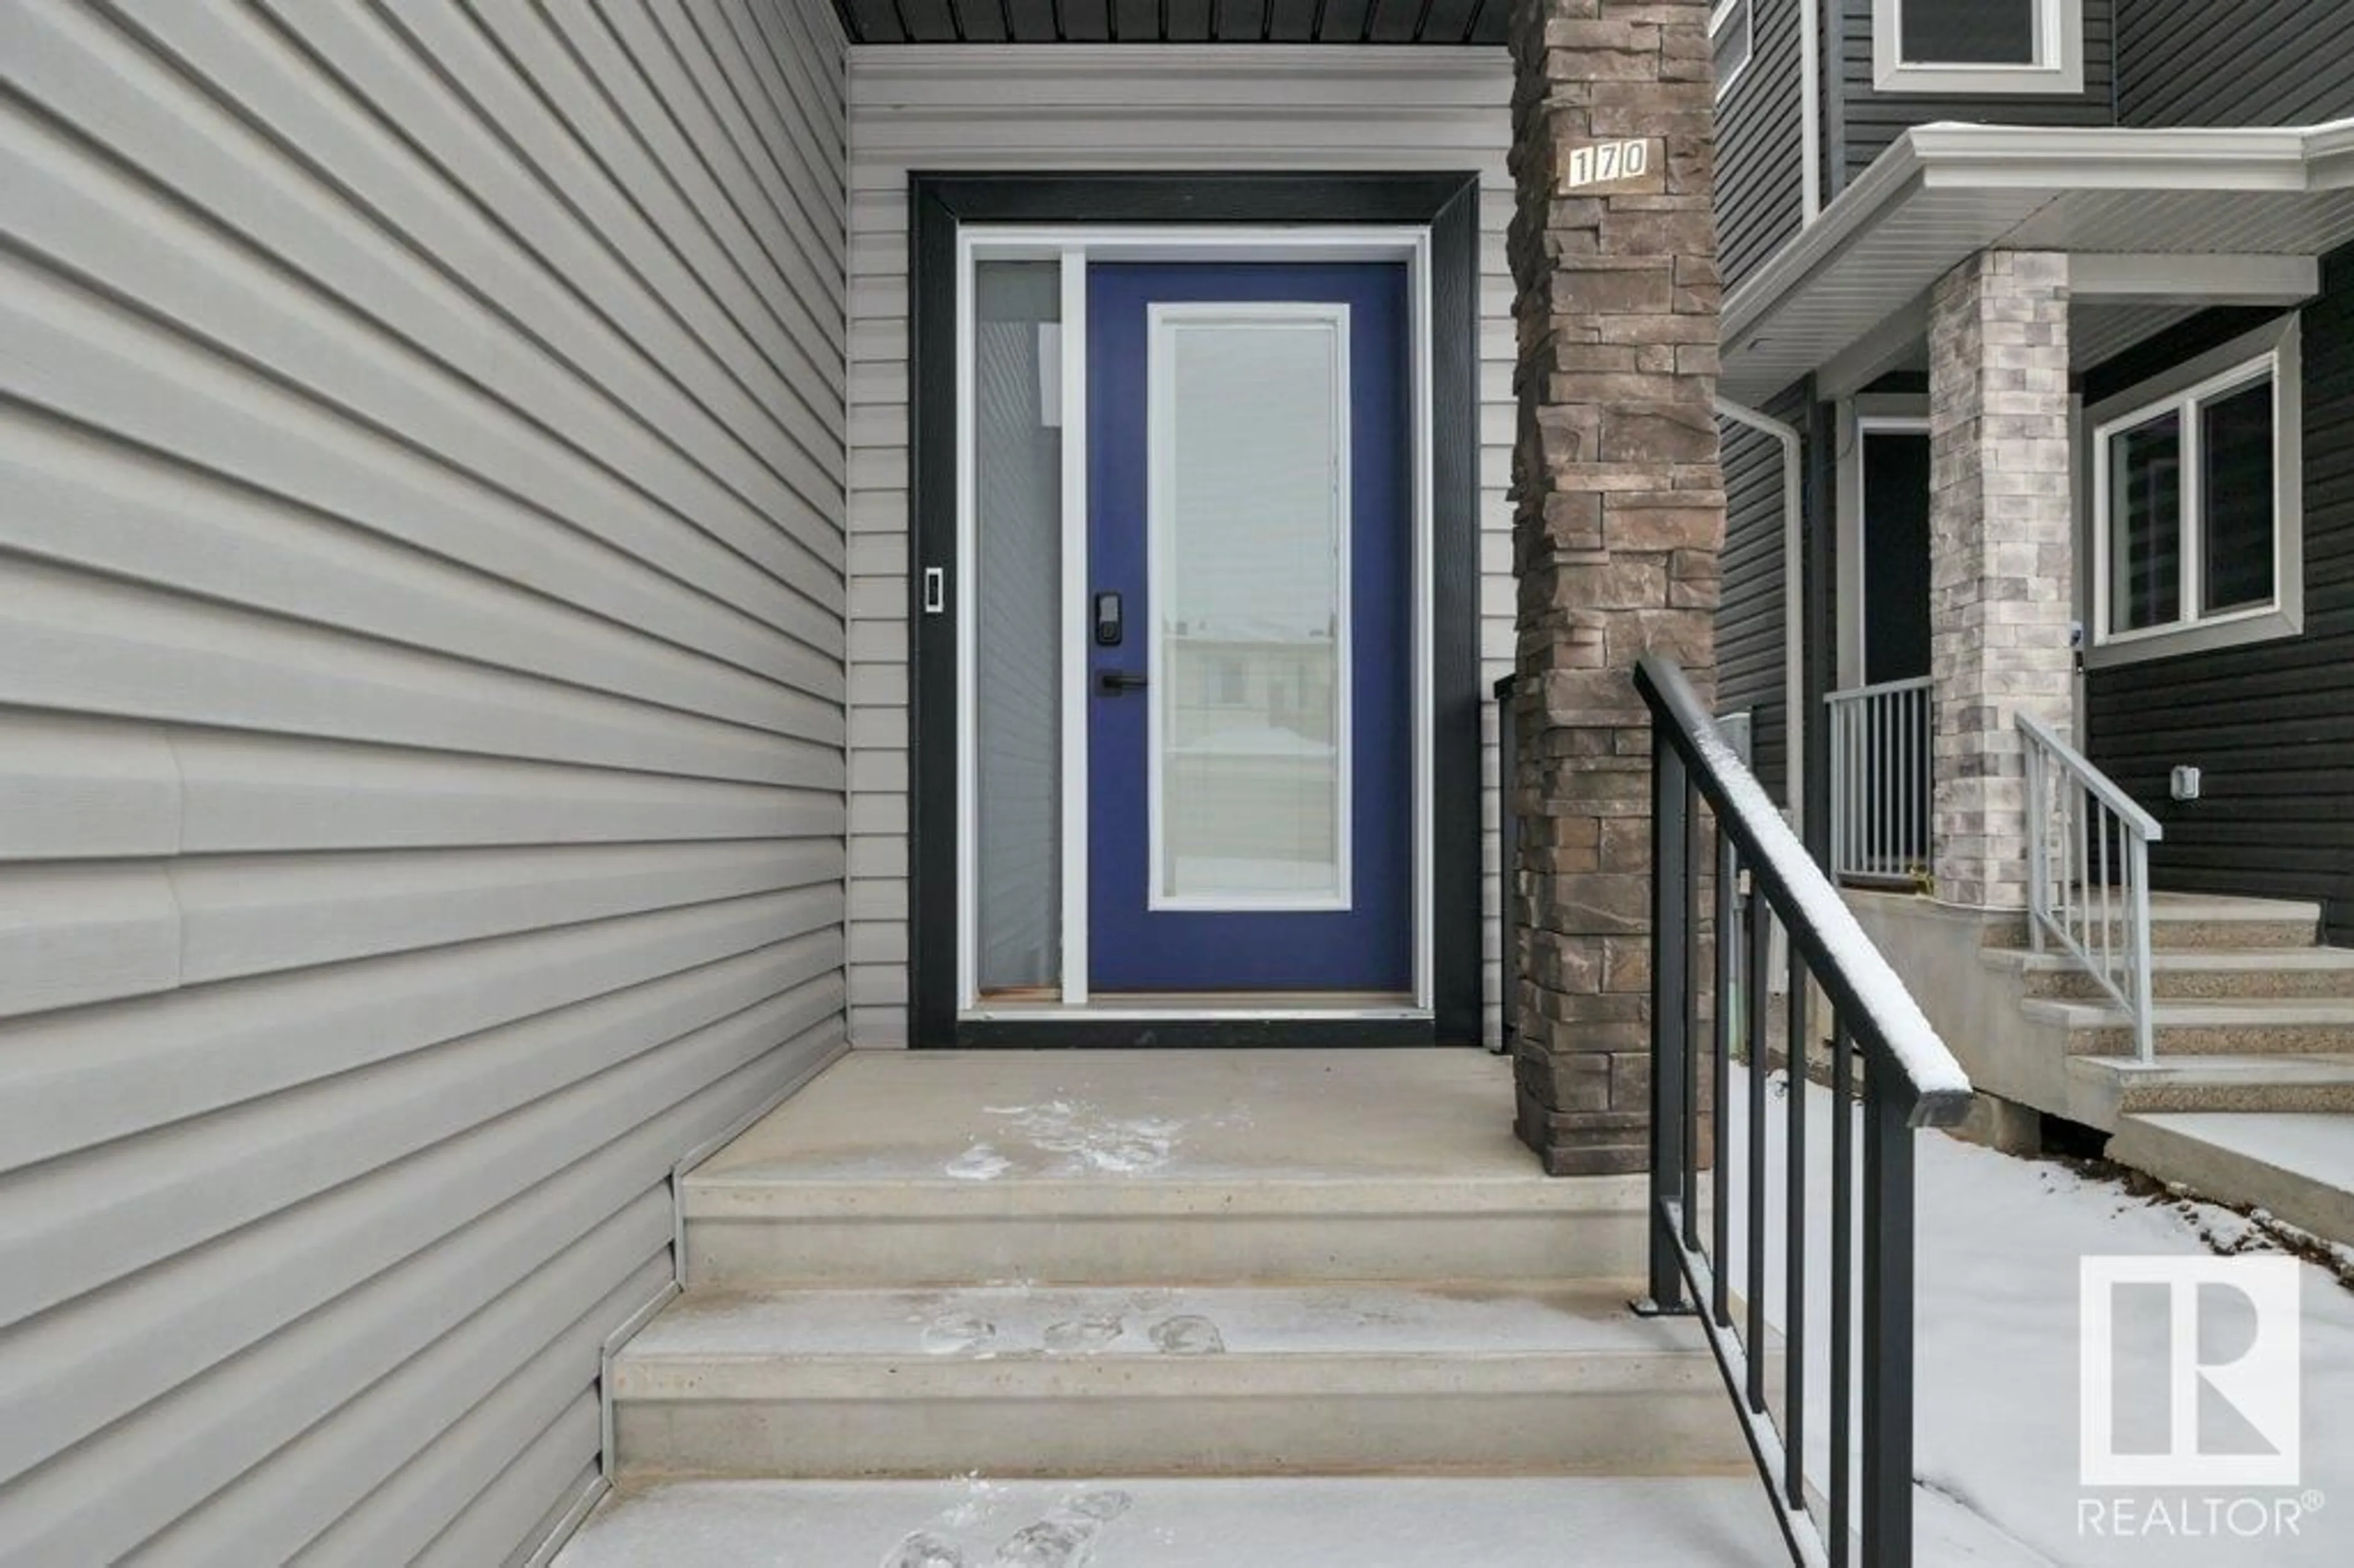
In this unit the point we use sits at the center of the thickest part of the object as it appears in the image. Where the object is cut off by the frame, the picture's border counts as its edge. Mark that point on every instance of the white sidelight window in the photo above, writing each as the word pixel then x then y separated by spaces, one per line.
pixel 1967 47
pixel 2196 483
pixel 1732 40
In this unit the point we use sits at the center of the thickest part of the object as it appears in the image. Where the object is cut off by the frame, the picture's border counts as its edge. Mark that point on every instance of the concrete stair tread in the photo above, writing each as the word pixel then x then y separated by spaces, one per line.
pixel 1210 1381
pixel 2219 1014
pixel 2297 1165
pixel 2214 906
pixel 1366 1521
pixel 1058 1326
pixel 2220 1069
pixel 2187 961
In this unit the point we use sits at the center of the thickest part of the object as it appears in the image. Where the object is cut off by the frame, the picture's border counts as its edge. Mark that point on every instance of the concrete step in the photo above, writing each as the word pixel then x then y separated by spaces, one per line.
pixel 1304 1523
pixel 1039 1382
pixel 2297 1166
pixel 2316 1027
pixel 2108 1087
pixel 2273 974
pixel 1204 1168
pixel 2184 922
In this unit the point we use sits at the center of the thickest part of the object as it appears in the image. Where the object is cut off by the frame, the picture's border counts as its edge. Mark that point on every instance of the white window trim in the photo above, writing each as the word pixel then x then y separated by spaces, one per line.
pixel 2274 351
pixel 1725 11
pixel 2059 66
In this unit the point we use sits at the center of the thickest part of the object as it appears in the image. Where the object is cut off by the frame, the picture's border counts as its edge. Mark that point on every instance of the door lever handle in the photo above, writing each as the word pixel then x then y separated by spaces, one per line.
pixel 1117 681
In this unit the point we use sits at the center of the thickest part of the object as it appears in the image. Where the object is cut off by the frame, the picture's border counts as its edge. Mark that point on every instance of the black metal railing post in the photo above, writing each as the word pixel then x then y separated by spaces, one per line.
pixel 1671 977
pixel 1882 1051
pixel 1887 1314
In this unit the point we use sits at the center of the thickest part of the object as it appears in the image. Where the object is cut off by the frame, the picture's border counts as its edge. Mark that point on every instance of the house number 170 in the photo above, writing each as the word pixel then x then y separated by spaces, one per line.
pixel 1606 162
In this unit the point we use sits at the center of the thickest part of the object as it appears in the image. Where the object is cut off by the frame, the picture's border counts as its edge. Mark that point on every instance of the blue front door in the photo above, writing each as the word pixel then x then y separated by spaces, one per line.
pixel 1250 697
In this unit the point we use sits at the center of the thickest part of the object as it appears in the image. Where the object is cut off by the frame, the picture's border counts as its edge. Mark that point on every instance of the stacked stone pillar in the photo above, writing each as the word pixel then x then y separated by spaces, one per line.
pixel 1618 520
pixel 2002 558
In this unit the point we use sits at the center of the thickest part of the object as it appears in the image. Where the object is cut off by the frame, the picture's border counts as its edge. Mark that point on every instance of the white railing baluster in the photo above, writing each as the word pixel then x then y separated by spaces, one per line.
pixel 2073 804
pixel 1882 778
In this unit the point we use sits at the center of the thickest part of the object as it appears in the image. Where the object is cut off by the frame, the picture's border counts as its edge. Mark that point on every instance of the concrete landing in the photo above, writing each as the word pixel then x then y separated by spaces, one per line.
pixel 2300 1167
pixel 1138 1168
pixel 1385 1523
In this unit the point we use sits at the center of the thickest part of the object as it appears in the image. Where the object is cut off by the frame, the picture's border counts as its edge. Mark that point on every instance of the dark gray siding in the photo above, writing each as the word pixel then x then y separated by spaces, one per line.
pixel 2252 62
pixel 1863 123
pixel 2272 724
pixel 1750 616
pixel 1760 146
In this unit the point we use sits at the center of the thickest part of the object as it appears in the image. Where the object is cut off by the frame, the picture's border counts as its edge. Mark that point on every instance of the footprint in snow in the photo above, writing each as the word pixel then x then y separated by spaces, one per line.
pixel 1187 1335
pixel 924 1550
pixel 1082 1335
pixel 1065 1538
pixel 957 1333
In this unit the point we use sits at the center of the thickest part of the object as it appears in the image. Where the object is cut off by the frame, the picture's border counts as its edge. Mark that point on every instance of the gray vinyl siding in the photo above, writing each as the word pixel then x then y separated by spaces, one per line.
pixel 2252 62
pixel 1130 108
pixel 1761 135
pixel 422 735
pixel 1863 121
pixel 2270 724
pixel 1751 616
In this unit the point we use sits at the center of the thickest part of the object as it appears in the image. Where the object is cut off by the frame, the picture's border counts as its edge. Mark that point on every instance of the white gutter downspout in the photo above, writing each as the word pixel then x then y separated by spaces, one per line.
pixel 1810 109
pixel 1794 605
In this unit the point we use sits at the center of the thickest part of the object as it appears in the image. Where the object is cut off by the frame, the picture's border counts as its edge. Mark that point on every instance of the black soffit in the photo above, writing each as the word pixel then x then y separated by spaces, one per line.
pixel 1174 21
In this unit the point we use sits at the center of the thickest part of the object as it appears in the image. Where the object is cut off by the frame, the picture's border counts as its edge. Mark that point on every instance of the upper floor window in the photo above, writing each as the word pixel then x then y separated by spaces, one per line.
pixel 2196 503
pixel 1967 47
pixel 1731 35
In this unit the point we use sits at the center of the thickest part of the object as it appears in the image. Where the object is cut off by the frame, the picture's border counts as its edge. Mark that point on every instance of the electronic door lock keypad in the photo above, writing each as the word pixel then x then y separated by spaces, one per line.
pixel 1108 631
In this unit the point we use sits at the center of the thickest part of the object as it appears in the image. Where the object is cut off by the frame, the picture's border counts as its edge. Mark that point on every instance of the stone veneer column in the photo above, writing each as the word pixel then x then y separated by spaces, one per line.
pixel 1619 519
pixel 2001 556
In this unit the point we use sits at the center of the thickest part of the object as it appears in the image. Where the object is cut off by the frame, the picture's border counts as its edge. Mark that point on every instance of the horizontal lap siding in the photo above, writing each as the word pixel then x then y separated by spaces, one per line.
pixel 1761 134
pixel 421 734
pixel 1864 122
pixel 1752 617
pixel 1135 109
pixel 2257 63
pixel 2271 726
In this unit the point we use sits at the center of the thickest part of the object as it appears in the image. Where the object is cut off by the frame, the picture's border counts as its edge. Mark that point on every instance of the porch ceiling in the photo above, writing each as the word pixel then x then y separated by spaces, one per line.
pixel 1944 192
pixel 1454 22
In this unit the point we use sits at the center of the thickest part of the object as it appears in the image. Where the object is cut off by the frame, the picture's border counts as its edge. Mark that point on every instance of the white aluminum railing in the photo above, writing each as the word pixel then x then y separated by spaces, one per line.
pixel 2088 872
pixel 1882 781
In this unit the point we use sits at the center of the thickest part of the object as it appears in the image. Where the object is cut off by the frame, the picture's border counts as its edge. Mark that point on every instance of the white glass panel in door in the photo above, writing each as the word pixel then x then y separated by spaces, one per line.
pixel 1249 563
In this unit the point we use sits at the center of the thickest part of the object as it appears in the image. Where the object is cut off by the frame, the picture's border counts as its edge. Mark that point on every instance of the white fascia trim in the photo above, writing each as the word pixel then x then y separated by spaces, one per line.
pixel 2039 163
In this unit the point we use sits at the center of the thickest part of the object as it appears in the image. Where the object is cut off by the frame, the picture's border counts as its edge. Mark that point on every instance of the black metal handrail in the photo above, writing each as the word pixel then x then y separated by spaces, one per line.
pixel 1910 1080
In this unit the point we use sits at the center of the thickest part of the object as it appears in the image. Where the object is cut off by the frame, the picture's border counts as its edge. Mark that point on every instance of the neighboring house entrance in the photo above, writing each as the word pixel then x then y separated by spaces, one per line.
pixel 1196 676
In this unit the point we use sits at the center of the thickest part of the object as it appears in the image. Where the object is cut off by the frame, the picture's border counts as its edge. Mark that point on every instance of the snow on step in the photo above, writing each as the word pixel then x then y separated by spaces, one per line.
pixel 1379 1523
pixel 1216 1381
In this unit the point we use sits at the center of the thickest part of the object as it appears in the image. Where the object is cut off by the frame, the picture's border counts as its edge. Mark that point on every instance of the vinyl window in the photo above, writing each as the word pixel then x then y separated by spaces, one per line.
pixel 2196 521
pixel 1972 46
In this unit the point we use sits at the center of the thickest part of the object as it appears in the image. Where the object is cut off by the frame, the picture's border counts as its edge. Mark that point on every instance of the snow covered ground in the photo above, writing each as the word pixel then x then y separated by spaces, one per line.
pixel 2001 1240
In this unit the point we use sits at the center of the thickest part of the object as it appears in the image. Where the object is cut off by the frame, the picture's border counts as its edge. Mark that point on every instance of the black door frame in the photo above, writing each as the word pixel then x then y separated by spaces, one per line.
pixel 939 205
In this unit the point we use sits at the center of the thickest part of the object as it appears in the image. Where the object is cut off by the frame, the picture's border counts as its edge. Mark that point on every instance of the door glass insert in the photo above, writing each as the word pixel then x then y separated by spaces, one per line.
pixel 1248 538
pixel 1017 632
